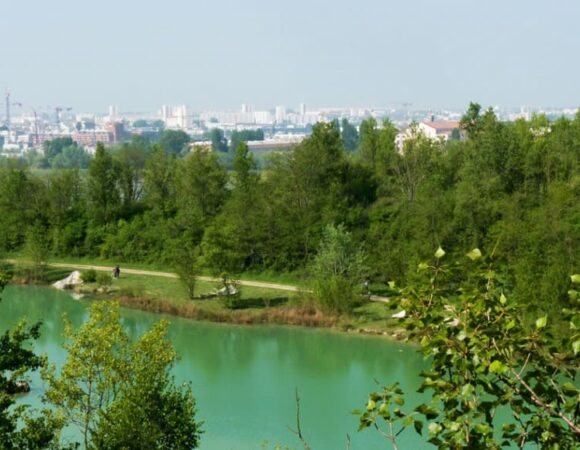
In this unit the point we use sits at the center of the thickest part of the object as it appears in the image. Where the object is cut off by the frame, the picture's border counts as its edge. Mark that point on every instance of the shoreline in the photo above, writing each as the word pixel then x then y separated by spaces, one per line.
pixel 258 309
pixel 295 315
pixel 288 315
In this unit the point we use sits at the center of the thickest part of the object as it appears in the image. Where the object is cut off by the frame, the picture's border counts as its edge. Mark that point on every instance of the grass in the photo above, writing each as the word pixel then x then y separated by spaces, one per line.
pixel 167 295
pixel 256 305
pixel 292 278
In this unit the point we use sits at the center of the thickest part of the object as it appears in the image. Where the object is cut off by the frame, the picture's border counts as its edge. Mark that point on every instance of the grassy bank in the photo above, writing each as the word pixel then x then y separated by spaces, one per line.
pixel 255 305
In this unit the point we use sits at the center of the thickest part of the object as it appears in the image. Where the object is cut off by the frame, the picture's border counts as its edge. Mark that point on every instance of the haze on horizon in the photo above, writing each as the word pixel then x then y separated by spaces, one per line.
pixel 220 54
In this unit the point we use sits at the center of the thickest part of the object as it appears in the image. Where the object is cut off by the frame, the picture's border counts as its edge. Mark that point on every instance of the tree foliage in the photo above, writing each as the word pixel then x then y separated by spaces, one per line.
pixel 337 270
pixel 120 394
pixel 495 381
pixel 20 427
pixel 510 186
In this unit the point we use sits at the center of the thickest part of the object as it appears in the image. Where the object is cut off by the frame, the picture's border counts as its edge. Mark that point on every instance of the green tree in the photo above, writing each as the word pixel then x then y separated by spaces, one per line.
pixel 349 135
pixel 218 141
pixel 187 263
pixel 103 191
pixel 159 183
pixel 71 157
pixel 368 148
pixel 470 122
pixel 120 394
pixel 415 163
pixel 19 428
pixel 230 241
pixel 36 250
pixel 484 358
pixel 66 211
pixel 338 271
pixel 174 142
pixel 56 146
pixel 130 160
pixel 22 202
pixel 201 186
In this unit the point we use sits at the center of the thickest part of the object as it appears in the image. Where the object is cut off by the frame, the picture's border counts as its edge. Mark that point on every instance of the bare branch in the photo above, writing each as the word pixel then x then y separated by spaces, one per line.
pixel 298 430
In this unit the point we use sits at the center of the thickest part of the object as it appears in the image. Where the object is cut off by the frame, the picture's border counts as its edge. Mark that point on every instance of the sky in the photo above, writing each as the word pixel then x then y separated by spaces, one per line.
pixel 218 54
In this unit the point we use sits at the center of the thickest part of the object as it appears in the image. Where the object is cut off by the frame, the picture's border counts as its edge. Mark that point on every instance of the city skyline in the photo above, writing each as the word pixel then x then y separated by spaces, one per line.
pixel 218 56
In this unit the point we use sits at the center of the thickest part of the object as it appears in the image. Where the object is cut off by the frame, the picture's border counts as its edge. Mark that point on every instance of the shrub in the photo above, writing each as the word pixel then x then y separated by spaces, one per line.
pixel 233 301
pixel 104 279
pixel 89 276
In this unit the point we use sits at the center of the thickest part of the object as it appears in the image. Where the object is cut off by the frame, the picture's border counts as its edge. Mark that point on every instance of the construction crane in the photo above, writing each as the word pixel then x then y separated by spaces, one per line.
pixel 57 112
pixel 36 128
pixel 7 119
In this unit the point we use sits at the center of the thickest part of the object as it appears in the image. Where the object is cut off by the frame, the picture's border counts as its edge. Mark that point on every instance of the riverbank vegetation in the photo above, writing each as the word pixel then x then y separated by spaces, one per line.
pixel 494 381
pixel 253 305
pixel 512 187
pixel 345 206
pixel 117 393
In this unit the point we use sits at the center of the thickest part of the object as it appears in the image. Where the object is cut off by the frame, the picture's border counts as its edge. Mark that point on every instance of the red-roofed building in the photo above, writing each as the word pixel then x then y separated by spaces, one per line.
pixel 439 129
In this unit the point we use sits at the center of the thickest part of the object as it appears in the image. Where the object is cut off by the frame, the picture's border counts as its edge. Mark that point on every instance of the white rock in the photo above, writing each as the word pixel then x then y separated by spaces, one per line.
pixel 74 279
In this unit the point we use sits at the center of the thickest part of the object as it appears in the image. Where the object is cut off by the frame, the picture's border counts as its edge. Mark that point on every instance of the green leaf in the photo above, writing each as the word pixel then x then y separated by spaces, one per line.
pixel 440 253
pixel 467 390
pixel 371 405
pixel 483 428
pixel 542 322
pixel 576 346
pixel 569 389
pixel 392 284
pixel 497 367
pixel 502 299
pixel 575 278
pixel 408 421
pixel 510 325
pixel 474 254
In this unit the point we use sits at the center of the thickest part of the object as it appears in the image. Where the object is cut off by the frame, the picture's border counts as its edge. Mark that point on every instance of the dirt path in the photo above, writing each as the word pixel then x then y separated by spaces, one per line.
pixel 153 273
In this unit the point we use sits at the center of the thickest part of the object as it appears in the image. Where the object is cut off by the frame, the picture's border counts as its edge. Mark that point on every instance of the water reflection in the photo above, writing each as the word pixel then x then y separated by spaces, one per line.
pixel 244 377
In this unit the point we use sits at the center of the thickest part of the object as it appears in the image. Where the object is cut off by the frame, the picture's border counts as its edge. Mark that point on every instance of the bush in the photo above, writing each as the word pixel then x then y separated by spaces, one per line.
pixel 335 294
pixel 233 301
pixel 89 276
pixel 337 271
pixel 104 279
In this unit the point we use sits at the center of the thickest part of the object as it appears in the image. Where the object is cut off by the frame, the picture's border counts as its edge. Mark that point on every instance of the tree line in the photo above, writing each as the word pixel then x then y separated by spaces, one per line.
pixel 500 327
pixel 508 187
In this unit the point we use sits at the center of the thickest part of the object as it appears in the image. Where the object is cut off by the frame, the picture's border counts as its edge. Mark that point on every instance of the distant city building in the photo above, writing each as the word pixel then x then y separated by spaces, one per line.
pixel 175 116
pixel 439 129
pixel 117 132
pixel 280 114
pixel 281 143
pixel 90 138
pixel 113 111
pixel 263 118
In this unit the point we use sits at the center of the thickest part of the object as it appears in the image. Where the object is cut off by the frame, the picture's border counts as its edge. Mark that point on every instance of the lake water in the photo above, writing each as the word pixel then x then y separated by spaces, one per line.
pixel 244 377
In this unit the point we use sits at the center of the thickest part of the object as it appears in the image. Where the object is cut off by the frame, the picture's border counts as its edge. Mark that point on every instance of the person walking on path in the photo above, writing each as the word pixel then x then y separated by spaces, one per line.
pixel 116 272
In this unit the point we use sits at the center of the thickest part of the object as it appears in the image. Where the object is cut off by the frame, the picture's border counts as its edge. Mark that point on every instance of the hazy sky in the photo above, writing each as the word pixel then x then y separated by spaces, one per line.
pixel 221 53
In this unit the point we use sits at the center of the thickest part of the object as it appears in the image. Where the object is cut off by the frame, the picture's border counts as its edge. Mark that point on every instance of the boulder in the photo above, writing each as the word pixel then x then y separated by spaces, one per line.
pixel 74 279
